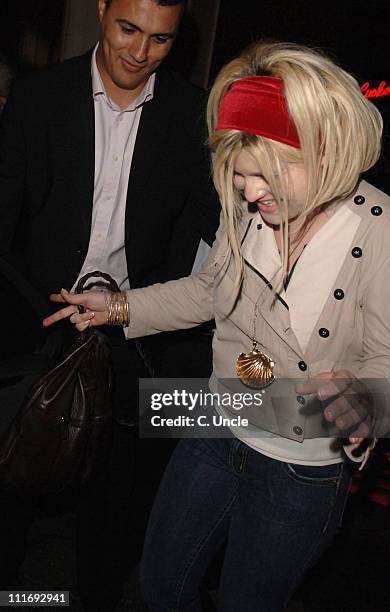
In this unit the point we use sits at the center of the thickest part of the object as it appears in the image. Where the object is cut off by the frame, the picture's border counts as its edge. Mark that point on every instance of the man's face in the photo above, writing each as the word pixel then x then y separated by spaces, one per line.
pixel 136 36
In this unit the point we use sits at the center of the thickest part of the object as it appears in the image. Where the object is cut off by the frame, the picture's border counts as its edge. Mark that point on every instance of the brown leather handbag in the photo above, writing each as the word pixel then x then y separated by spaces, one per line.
pixel 61 435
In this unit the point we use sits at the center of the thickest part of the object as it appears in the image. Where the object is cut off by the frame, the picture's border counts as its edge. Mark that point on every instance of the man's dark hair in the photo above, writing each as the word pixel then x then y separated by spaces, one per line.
pixel 5 76
pixel 161 2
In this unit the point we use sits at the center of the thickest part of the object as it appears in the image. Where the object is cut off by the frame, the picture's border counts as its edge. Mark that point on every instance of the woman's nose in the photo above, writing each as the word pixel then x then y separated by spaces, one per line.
pixel 254 190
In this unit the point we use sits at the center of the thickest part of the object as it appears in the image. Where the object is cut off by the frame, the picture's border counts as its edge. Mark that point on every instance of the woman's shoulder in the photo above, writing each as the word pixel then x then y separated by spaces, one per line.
pixel 373 207
pixel 373 231
pixel 369 200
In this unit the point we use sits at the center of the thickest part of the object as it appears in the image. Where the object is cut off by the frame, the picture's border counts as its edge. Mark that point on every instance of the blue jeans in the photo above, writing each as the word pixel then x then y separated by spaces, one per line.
pixel 276 518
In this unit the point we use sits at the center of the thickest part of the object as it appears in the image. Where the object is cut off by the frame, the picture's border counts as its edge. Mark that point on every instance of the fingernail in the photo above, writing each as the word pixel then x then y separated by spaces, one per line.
pixel 91 316
pixel 322 393
pixel 329 414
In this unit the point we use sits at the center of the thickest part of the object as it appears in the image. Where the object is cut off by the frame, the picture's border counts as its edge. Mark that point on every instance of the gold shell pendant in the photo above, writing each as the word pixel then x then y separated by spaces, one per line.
pixel 255 369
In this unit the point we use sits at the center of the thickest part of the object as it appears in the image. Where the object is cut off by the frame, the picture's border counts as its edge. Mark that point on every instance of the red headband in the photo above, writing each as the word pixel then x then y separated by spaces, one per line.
pixel 257 105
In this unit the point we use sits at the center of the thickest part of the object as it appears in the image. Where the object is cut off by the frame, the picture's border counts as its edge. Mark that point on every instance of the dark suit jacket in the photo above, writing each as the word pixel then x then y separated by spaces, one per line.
pixel 47 178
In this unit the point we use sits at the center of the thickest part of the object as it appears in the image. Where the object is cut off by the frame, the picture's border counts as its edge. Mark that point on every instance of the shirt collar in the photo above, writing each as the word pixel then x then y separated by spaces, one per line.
pixel 98 88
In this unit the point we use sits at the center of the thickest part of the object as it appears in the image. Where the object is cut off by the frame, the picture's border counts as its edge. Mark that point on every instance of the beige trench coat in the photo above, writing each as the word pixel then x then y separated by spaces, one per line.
pixel 334 315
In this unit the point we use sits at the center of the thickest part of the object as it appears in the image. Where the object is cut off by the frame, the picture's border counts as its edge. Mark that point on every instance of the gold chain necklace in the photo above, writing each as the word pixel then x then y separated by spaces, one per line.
pixel 255 369
pixel 301 241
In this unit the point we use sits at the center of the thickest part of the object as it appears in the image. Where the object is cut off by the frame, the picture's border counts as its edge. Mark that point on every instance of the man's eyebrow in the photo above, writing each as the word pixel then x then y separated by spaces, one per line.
pixel 129 24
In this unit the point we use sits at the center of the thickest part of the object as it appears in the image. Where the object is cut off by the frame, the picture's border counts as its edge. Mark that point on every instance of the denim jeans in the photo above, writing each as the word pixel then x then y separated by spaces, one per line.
pixel 275 518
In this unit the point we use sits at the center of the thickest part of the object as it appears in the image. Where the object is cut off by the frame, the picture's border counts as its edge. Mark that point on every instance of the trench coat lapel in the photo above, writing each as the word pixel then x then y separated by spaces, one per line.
pixel 294 316
pixel 262 265
pixel 316 271
pixel 259 249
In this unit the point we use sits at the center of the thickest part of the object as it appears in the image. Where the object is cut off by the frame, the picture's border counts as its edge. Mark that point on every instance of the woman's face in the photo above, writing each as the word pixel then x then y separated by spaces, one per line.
pixel 255 189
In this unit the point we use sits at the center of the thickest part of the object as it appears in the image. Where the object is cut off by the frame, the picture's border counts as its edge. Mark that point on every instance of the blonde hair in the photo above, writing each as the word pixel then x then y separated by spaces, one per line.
pixel 339 130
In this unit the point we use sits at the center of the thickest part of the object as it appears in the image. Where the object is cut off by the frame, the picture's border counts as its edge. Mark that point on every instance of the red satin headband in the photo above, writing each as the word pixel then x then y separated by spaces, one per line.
pixel 257 105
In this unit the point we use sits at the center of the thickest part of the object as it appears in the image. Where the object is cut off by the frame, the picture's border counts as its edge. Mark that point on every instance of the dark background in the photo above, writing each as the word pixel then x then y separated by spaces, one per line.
pixel 355 32
pixel 30 32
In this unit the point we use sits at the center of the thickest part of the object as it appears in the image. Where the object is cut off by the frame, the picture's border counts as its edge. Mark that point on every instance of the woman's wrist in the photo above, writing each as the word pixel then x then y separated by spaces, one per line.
pixel 118 310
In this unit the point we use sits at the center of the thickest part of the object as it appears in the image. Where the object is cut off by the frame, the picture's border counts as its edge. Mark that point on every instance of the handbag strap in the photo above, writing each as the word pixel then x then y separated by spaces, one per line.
pixel 110 283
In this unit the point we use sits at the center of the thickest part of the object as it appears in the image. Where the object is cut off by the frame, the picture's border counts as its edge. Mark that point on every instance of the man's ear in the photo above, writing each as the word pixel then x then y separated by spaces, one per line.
pixel 101 9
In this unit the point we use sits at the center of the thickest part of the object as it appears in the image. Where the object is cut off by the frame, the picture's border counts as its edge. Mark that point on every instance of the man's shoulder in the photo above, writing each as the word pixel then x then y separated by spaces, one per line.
pixel 171 83
pixel 56 77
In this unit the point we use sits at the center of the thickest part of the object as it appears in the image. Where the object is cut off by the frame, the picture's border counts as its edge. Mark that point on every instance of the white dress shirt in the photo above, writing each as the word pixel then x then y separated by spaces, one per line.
pixel 115 136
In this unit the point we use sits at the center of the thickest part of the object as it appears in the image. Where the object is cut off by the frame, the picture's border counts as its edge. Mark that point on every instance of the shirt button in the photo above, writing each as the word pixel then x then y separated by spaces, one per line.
pixel 359 199
pixel 298 430
pixel 376 211
pixel 302 366
pixel 324 333
pixel 339 294
pixel 301 400
pixel 357 252
pixel 116 158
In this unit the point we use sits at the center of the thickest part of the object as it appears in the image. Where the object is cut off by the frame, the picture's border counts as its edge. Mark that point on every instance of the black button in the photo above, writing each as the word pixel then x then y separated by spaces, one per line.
pixel 357 252
pixel 301 400
pixel 324 333
pixel 359 199
pixel 339 294
pixel 302 366
pixel 376 211
pixel 298 430
pixel 259 226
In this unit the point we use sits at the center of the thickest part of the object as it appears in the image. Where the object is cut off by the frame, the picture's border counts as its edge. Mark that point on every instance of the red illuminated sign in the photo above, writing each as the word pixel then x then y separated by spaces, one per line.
pixel 376 92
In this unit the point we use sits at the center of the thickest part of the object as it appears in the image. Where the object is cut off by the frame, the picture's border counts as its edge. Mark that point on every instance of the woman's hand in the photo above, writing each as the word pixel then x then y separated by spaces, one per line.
pixel 347 402
pixel 93 301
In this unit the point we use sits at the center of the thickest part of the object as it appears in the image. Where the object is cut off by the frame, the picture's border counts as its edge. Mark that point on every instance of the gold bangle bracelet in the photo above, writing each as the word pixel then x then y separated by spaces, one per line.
pixel 118 309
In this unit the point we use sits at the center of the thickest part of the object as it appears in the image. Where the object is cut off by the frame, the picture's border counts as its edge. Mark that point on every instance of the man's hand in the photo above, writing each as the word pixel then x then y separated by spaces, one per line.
pixel 346 402
pixel 94 303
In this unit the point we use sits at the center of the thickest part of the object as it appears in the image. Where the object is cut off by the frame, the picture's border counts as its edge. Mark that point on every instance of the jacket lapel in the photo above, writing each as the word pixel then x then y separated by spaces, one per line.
pixel 74 128
pixel 259 249
pixel 155 123
pixel 275 313
pixel 294 315
pixel 262 265
pixel 317 269
pixel 88 146
pixel 85 140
